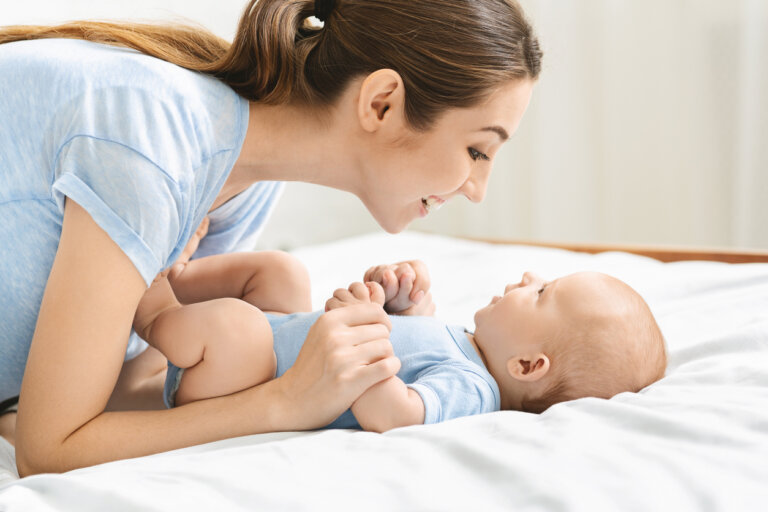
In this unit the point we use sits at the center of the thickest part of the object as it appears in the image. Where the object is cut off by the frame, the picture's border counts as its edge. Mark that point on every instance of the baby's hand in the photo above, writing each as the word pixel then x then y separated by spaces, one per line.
pixel 406 287
pixel 357 293
pixel 194 241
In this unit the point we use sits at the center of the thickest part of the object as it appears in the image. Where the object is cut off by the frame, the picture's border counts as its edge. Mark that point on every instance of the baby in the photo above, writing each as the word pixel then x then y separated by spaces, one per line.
pixel 540 343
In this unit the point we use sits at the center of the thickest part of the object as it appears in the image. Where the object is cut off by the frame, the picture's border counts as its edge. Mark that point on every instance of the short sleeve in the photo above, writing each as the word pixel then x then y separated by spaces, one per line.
pixel 452 390
pixel 236 225
pixel 137 204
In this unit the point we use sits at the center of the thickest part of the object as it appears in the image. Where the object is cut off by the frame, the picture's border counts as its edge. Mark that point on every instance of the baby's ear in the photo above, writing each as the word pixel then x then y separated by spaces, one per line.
pixel 528 367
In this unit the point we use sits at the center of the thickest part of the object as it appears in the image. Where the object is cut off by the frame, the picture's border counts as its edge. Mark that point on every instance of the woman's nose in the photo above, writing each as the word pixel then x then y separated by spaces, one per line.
pixel 476 186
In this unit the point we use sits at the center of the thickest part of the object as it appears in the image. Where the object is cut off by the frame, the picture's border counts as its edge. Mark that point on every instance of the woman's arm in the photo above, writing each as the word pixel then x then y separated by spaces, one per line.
pixel 78 348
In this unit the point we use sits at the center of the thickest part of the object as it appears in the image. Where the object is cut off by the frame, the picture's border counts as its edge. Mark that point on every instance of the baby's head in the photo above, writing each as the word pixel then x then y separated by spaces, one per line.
pixel 586 334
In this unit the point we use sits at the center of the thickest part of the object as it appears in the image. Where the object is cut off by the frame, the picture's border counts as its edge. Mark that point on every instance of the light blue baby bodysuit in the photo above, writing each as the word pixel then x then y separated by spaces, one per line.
pixel 437 361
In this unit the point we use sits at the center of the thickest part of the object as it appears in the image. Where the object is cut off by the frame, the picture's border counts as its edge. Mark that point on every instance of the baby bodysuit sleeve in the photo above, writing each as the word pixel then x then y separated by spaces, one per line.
pixel 453 389
pixel 134 201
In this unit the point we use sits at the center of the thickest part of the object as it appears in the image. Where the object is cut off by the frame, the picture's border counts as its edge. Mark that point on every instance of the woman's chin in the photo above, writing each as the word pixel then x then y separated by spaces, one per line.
pixel 394 228
pixel 392 220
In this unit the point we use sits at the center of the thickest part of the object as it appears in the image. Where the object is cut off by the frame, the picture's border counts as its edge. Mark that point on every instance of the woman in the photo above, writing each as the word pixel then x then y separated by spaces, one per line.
pixel 110 158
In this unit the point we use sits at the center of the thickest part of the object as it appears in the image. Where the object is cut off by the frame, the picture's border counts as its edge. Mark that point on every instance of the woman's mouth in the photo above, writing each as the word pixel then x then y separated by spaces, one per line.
pixel 431 203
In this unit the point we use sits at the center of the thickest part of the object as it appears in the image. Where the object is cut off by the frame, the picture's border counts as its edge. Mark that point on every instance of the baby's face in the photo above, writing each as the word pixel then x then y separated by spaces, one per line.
pixel 531 313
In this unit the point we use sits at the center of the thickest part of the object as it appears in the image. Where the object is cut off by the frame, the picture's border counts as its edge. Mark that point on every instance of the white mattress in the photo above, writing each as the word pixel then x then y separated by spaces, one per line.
pixel 696 440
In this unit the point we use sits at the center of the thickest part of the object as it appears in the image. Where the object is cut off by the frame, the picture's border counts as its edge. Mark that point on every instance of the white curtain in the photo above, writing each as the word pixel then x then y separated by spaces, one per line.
pixel 649 125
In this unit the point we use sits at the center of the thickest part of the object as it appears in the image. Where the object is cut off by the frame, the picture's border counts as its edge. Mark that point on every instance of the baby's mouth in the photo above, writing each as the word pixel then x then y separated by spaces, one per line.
pixel 432 203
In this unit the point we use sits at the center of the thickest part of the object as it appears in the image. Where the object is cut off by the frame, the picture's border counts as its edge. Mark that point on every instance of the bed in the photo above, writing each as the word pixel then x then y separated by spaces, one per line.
pixel 696 440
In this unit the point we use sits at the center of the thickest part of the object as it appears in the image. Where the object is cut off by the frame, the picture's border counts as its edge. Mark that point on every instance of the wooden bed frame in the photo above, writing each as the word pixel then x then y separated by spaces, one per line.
pixel 661 253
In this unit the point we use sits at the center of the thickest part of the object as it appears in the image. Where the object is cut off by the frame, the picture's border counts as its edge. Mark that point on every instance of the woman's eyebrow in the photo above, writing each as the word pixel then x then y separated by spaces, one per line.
pixel 502 133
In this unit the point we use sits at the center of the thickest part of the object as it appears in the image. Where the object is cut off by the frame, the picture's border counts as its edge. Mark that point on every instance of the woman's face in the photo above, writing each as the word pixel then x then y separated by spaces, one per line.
pixel 455 158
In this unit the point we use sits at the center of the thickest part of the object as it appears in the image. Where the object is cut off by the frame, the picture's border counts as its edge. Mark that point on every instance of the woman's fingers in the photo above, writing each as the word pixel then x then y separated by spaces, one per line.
pixel 362 334
pixel 356 293
pixel 342 294
pixel 347 350
pixel 333 303
pixel 376 372
pixel 360 292
pixel 371 351
pixel 378 296
pixel 357 314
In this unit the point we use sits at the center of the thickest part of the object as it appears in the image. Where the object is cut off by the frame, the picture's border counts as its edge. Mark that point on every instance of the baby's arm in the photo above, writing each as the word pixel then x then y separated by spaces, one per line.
pixel 390 403
pixel 387 405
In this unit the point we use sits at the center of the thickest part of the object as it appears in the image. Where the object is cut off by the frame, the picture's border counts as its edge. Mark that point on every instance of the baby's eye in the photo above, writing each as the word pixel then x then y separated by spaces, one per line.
pixel 476 155
pixel 541 290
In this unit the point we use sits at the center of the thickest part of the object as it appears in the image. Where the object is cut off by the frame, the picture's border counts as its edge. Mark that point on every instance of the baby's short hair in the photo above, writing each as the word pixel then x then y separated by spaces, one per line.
pixel 605 354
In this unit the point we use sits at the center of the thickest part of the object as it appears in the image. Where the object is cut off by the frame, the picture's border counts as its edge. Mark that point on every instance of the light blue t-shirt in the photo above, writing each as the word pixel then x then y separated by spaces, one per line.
pixel 143 145
pixel 438 362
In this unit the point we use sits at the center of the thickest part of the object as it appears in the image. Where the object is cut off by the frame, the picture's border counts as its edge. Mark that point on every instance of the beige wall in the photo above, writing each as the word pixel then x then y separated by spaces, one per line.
pixel 648 126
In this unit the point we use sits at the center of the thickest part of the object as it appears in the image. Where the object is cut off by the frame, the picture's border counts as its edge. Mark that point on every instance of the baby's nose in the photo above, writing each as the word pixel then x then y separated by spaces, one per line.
pixel 511 287
pixel 530 278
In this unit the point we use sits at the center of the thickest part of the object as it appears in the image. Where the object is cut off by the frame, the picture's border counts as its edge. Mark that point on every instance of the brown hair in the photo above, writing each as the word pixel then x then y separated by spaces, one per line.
pixel 449 53
pixel 622 354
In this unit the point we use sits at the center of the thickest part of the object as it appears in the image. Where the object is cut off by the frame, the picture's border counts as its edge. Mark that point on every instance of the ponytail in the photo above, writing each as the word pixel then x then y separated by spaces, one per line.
pixel 450 53
pixel 267 58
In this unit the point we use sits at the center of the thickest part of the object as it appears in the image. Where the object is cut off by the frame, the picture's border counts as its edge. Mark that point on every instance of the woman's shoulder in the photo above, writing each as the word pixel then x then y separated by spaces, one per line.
pixel 97 65
pixel 174 117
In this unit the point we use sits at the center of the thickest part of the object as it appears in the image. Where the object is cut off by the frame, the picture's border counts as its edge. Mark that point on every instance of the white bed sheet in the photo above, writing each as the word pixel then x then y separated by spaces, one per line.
pixel 696 440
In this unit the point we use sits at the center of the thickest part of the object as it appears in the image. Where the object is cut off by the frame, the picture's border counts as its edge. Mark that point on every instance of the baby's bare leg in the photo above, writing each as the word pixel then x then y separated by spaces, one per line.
pixel 225 345
pixel 270 280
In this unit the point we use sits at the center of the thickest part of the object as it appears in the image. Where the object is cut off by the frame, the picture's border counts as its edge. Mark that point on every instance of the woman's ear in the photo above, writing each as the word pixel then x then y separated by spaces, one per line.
pixel 382 96
pixel 529 367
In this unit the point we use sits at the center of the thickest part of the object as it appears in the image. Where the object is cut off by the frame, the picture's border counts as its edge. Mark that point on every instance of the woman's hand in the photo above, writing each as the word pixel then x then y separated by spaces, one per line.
pixel 357 293
pixel 406 287
pixel 346 352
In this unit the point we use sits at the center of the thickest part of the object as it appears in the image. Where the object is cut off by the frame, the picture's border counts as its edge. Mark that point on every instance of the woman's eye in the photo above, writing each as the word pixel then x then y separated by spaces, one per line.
pixel 476 155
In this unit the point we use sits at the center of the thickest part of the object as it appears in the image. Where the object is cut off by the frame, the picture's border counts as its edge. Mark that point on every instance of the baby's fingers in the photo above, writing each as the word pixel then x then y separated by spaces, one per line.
pixel 202 229
pixel 385 276
pixel 402 299
pixel 422 283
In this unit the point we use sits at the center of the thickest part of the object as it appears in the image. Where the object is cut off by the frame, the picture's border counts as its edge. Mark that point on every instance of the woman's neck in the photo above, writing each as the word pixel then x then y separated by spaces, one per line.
pixel 290 143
